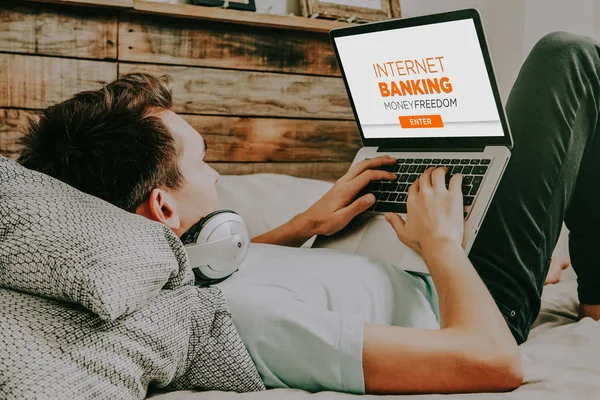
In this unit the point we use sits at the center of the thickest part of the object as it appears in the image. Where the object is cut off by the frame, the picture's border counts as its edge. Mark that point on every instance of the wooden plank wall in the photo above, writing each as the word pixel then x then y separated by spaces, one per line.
pixel 266 99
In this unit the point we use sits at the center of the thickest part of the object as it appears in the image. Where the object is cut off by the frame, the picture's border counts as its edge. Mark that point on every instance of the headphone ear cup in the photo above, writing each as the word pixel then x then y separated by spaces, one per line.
pixel 191 235
pixel 221 242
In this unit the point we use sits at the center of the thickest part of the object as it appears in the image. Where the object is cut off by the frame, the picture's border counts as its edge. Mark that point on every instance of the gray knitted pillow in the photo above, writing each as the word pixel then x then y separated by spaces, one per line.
pixel 183 339
pixel 58 242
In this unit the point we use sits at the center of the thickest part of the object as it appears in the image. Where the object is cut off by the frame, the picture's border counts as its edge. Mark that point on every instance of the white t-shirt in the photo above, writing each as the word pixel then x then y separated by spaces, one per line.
pixel 301 312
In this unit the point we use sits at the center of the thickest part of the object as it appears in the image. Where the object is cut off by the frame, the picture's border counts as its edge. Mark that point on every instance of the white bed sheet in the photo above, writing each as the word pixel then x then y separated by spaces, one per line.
pixel 561 358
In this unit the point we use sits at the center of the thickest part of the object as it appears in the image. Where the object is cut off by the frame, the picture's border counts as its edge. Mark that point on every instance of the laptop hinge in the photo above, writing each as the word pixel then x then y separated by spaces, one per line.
pixel 430 149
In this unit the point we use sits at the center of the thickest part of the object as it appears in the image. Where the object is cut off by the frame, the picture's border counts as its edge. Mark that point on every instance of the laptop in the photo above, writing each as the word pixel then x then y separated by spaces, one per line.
pixel 423 91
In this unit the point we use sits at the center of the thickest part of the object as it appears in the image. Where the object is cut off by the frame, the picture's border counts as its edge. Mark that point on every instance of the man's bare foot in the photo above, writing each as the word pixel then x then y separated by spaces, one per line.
pixel 557 265
pixel 589 310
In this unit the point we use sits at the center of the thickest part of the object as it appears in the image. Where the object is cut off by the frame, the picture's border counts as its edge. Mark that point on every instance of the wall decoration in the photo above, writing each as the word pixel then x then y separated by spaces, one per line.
pixel 247 5
pixel 352 10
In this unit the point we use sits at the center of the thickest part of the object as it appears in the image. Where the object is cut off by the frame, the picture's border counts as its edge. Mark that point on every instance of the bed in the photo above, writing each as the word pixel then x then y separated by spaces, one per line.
pixel 560 358
pixel 281 128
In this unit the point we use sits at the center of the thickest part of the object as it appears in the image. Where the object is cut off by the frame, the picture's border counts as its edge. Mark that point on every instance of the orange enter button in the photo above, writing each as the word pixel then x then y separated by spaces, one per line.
pixel 421 121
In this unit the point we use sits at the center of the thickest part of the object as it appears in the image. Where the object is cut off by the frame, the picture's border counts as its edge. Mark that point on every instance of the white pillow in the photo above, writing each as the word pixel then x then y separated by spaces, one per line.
pixel 266 201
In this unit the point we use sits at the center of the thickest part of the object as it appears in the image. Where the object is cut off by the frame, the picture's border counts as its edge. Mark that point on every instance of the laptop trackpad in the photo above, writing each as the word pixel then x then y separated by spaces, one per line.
pixel 380 241
pixel 346 240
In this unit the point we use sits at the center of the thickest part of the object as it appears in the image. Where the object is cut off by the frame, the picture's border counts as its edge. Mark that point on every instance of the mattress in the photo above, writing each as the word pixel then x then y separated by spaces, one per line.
pixel 561 358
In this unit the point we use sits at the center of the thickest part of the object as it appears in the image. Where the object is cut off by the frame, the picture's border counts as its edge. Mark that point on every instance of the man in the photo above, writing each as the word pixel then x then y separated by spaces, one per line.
pixel 121 143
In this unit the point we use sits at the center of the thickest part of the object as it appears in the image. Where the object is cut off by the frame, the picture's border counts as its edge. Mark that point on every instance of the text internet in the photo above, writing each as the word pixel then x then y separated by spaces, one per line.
pixel 412 87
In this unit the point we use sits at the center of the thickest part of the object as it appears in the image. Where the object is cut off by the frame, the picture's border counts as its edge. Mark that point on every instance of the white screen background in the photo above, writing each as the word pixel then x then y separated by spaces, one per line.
pixel 476 114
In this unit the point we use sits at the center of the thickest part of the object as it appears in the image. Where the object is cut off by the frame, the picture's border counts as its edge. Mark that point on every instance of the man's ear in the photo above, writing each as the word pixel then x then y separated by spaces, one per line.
pixel 160 206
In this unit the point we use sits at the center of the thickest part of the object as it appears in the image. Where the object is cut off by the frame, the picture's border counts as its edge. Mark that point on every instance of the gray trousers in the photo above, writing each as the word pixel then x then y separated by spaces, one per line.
pixel 553 176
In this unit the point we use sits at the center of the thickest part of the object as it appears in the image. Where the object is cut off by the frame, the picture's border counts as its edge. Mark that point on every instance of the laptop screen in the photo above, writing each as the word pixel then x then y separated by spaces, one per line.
pixel 426 81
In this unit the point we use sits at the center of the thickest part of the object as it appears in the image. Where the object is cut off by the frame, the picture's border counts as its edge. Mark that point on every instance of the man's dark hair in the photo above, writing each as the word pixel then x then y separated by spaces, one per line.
pixel 107 142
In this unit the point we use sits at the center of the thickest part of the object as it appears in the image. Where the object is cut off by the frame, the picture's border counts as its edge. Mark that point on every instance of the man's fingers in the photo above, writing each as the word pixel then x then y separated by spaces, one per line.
pixel 455 184
pixel 413 189
pixel 438 178
pixel 358 183
pixel 364 165
pixel 357 206
pixel 425 180
pixel 397 223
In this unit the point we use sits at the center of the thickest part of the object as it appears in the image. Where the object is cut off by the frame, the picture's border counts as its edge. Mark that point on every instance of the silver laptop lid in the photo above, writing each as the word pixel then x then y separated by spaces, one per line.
pixel 424 82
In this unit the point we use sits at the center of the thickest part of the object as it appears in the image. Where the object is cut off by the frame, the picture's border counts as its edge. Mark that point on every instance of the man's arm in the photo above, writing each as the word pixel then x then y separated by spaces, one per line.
pixel 474 350
pixel 332 212
pixel 294 233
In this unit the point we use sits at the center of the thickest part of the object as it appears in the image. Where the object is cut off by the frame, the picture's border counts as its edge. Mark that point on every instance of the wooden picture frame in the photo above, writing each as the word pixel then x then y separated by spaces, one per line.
pixel 350 10
pixel 247 5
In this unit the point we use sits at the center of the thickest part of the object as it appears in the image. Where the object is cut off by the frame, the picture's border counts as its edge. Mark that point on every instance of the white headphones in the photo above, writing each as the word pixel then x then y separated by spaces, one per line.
pixel 216 246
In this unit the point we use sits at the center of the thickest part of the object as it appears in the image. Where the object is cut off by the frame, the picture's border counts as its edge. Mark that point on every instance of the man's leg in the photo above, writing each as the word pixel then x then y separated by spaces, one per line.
pixel 552 176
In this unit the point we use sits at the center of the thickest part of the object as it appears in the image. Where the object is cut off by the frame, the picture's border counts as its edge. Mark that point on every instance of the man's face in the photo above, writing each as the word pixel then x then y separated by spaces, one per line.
pixel 197 196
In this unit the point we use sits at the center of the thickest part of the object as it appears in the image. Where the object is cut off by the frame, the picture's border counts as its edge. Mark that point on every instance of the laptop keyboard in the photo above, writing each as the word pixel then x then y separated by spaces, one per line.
pixel 391 195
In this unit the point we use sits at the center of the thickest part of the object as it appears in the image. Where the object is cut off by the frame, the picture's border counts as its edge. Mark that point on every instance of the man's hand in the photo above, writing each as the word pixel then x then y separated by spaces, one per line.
pixel 434 213
pixel 332 212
